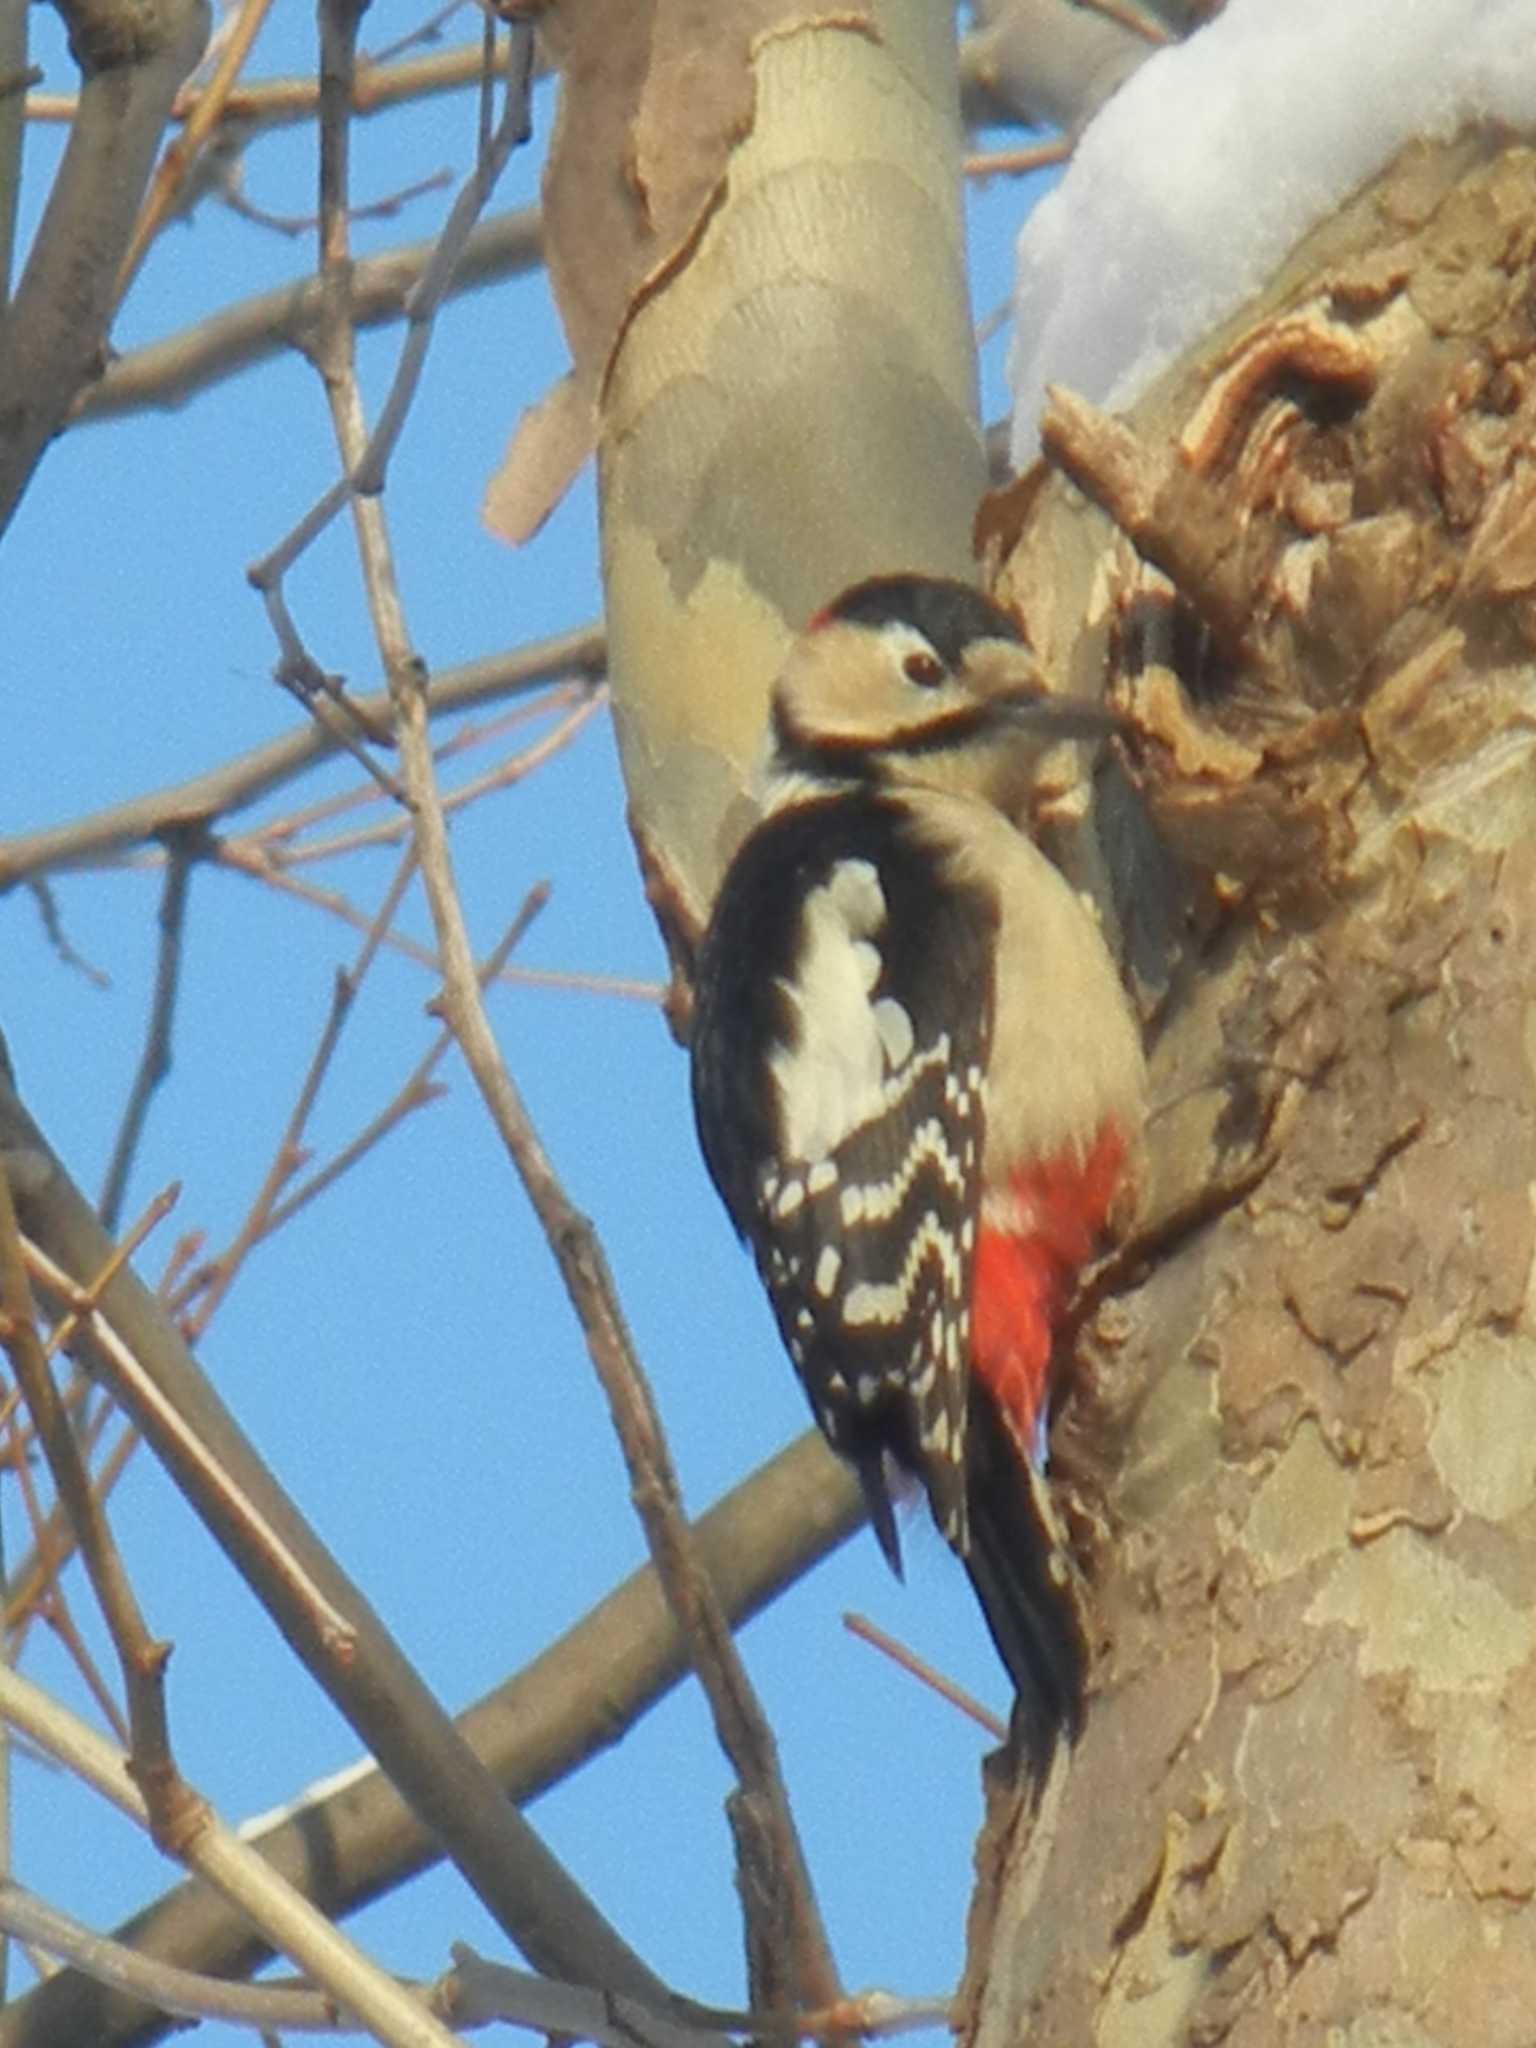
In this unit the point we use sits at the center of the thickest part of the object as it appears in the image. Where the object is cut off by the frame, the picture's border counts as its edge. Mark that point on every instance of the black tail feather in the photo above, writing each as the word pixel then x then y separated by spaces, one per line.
pixel 1025 1584
pixel 874 1481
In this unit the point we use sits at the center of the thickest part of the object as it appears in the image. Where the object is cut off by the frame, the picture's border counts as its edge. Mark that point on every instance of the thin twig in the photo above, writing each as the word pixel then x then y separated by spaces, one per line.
pixel 268 1214
pixel 275 102
pixel 105 836
pixel 53 1611
pixel 1014 163
pixel 329 1624
pixel 907 1660
pixel 285 1917
pixel 53 1542
pixel 428 31
pixel 577 1698
pixel 155 1060
pixel 179 162
pixel 505 775
pixel 367 456
pixel 213 1281
pixel 417 1089
pixel 323 696
pixel 246 858
pixel 472 733
pixel 53 927
pixel 231 190
pixel 53 1535
pixel 741 1726
pixel 141 1657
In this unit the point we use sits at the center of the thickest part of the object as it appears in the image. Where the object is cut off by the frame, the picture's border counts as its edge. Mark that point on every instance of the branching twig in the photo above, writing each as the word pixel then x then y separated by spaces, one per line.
pixel 505 775
pixel 287 1919
pixel 417 1088
pixel 132 1343
pixel 548 1915
pixel 138 1390
pixel 581 1695
pixel 180 159
pixel 214 1280
pixel 104 836
pixel 740 1724
pixel 141 1657
pixel 324 810
pixel 367 456
pixel 54 330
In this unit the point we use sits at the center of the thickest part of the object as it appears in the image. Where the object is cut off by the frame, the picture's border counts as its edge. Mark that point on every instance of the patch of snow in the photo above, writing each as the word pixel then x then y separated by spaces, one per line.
pixel 1219 154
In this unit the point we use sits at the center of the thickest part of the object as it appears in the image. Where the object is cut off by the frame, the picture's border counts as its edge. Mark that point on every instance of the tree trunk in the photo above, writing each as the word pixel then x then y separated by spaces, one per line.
pixel 1302 1445
pixel 762 275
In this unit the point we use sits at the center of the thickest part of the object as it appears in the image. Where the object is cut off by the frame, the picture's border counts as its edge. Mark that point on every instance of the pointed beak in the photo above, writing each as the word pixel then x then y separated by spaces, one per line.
pixel 1009 677
pixel 1057 718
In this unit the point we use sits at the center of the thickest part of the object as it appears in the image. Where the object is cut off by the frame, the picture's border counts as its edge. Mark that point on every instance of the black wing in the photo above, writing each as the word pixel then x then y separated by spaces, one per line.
pixel 865 1242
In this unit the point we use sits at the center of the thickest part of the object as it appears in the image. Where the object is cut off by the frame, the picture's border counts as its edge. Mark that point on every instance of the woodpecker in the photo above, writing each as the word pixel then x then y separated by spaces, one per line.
pixel 918 1083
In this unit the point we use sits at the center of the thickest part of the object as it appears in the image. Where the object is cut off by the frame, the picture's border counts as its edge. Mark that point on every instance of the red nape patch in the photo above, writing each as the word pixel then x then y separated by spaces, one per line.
pixel 1021 1275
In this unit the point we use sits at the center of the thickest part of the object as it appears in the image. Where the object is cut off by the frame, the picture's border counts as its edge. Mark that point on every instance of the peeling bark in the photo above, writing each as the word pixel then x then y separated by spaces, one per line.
pixel 764 291
pixel 1303 1442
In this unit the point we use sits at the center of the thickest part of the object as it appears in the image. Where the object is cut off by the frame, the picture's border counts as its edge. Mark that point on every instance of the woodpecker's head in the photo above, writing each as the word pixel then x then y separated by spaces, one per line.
pixel 916 679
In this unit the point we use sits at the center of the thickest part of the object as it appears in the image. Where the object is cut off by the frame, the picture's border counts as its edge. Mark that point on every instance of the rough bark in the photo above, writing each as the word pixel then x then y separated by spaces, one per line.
pixel 1303 1444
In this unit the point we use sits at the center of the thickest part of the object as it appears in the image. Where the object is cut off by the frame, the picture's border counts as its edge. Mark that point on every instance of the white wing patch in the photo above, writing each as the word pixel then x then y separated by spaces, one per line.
pixel 895 1029
pixel 833 1077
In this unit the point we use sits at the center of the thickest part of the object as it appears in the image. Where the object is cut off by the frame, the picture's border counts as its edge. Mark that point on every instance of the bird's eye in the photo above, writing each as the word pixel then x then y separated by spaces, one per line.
pixel 924 669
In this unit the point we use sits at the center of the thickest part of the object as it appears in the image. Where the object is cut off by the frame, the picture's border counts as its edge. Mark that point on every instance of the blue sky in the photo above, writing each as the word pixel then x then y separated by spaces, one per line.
pixel 403 1354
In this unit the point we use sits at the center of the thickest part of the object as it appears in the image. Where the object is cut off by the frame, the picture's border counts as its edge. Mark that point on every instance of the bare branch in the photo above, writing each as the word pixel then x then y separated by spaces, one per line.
pixel 214 1280
pixel 181 1992
pixel 133 59
pixel 417 1088
pixel 249 1883
pixel 179 162
pixel 275 102
pixel 142 1659
pixel 1015 163
pixel 581 1696
pixel 103 836
pixel 374 1685
pixel 13 77
pixel 740 1723
pixel 1048 63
